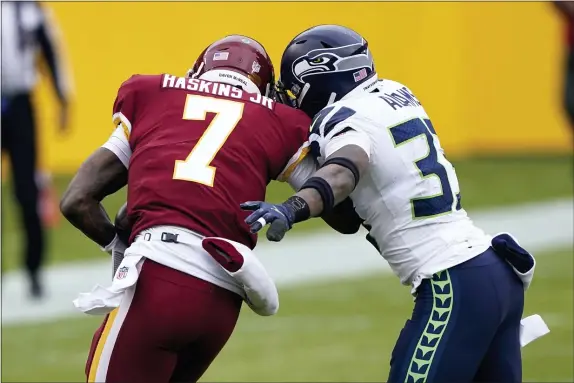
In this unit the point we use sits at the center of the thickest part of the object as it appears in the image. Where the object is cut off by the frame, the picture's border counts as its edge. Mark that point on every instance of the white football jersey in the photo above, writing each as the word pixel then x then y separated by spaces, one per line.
pixel 409 197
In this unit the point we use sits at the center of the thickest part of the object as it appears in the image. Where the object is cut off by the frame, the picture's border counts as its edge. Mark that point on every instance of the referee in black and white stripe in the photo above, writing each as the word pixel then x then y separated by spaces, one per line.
pixel 26 32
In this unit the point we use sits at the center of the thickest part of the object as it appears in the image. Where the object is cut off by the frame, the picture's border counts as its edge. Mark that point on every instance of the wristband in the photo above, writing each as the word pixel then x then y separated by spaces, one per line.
pixel 299 207
pixel 110 246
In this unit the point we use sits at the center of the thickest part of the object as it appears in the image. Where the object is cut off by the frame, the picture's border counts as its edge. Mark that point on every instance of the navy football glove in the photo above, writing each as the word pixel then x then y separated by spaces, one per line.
pixel 280 217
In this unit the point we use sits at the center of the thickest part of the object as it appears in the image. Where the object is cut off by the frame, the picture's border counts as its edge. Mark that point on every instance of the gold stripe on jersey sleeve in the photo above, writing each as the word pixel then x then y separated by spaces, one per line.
pixel 283 177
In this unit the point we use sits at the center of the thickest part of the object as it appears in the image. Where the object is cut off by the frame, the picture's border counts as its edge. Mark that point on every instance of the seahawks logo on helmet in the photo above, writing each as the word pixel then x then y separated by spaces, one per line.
pixel 329 60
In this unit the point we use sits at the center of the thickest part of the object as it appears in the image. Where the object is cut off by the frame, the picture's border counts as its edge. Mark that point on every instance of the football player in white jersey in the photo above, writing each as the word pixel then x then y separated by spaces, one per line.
pixel 372 141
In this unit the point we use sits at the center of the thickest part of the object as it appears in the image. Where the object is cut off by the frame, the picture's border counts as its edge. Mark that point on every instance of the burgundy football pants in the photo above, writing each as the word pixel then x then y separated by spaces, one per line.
pixel 169 328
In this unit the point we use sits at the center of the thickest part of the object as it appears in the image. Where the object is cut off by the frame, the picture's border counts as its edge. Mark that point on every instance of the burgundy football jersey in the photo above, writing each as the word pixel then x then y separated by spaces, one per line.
pixel 199 149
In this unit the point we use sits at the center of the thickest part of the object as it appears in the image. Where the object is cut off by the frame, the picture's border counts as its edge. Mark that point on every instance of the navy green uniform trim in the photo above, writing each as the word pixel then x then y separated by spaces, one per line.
pixel 443 299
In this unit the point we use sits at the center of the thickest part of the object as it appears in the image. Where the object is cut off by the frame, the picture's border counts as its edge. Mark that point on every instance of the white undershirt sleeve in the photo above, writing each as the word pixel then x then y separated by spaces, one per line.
pixel 299 169
pixel 119 145
pixel 302 172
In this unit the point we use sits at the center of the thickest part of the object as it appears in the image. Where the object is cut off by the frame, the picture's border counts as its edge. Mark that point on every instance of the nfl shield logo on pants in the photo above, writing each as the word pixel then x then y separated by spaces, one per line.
pixel 122 272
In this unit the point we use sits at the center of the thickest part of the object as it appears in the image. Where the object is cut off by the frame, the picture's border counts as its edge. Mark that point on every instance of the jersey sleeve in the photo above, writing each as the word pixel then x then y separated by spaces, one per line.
pixel 336 127
pixel 293 146
pixel 124 111
pixel 119 145
pixel 299 168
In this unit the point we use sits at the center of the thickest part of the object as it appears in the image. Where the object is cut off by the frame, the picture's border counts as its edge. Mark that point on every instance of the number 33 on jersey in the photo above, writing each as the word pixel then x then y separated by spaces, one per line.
pixel 409 197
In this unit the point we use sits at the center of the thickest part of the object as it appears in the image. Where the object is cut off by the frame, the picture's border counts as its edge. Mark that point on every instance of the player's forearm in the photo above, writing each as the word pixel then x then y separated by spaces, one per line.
pixel 341 172
pixel 318 196
pixel 100 175
pixel 90 218
pixel 341 181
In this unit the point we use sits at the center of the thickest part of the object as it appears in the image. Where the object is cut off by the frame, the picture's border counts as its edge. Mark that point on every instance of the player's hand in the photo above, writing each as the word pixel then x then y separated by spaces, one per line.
pixel 280 217
pixel 123 231
pixel 122 223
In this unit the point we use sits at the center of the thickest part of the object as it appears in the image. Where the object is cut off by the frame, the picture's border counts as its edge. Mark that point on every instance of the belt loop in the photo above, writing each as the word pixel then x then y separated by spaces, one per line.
pixel 147 236
pixel 169 237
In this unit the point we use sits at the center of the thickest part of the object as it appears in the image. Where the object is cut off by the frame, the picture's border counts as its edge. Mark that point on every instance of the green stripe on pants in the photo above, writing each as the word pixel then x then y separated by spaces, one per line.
pixel 429 341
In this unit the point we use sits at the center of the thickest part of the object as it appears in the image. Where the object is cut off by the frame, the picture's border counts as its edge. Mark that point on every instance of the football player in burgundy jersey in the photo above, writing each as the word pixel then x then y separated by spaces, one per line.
pixel 190 150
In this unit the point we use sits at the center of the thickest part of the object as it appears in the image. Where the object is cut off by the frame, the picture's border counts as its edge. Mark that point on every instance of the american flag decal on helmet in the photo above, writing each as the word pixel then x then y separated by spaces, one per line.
pixel 220 56
pixel 359 75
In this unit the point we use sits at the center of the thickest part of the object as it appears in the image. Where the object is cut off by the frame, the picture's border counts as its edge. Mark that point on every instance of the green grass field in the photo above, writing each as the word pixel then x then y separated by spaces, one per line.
pixel 484 182
pixel 339 331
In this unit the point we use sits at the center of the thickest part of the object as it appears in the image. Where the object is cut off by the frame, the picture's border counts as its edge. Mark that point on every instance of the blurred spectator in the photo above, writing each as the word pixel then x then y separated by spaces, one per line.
pixel 27 30
pixel 566 8
pixel 49 200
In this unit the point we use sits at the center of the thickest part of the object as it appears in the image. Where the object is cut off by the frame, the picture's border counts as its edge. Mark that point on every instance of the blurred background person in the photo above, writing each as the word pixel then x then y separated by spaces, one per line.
pixel 26 32
pixel 566 8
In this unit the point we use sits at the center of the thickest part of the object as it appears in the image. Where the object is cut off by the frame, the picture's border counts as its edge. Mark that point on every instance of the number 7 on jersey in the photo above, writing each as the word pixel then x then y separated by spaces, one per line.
pixel 196 167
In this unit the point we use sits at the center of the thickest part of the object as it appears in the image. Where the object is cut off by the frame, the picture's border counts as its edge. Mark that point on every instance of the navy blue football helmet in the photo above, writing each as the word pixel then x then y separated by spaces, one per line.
pixel 321 65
